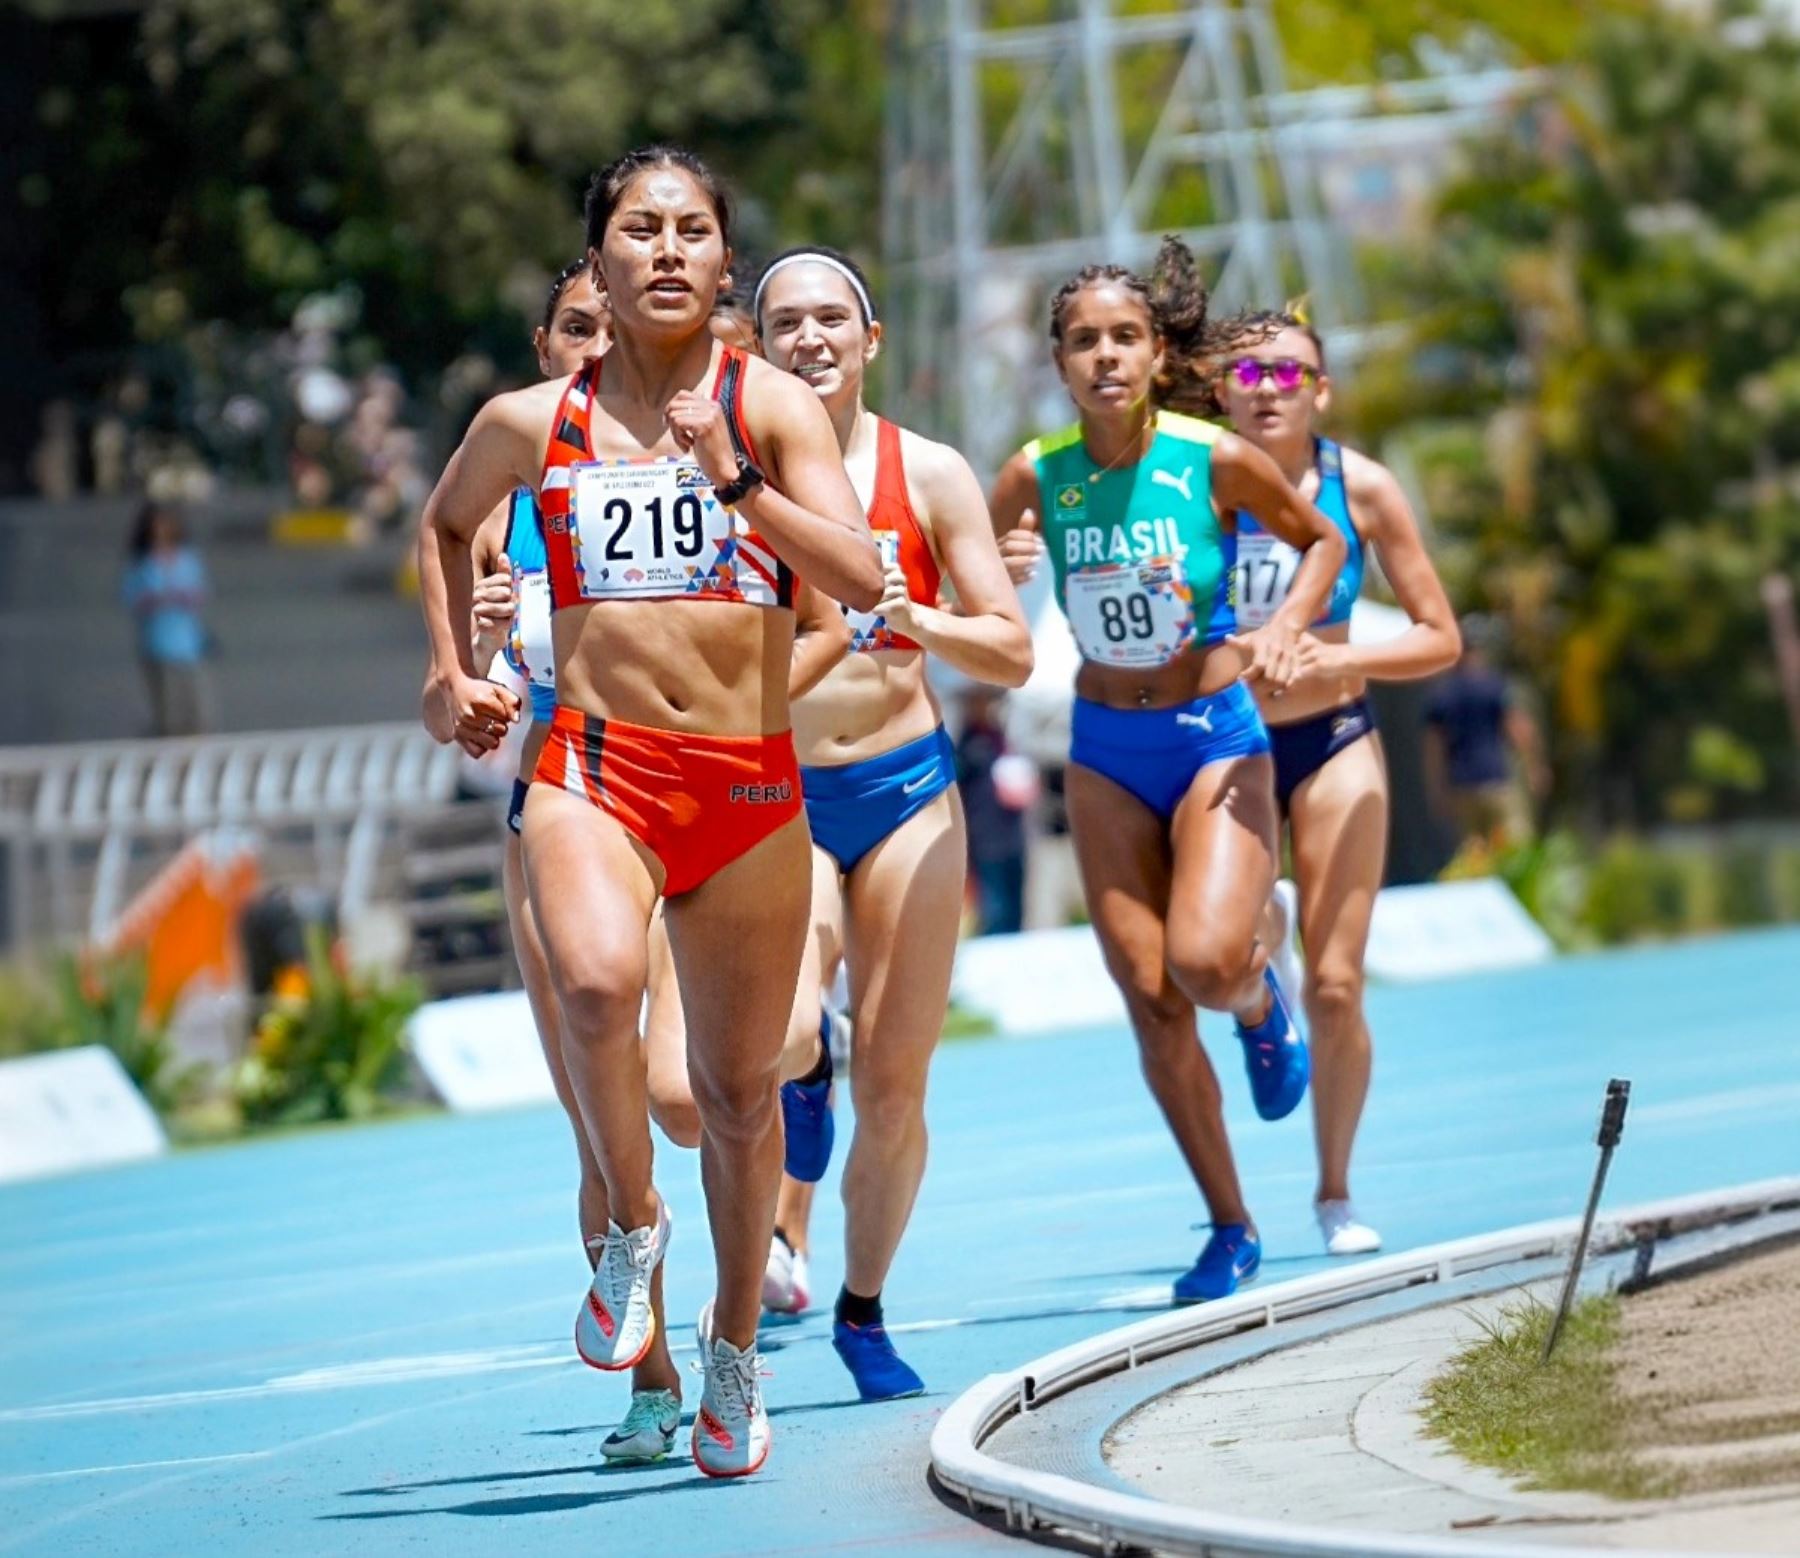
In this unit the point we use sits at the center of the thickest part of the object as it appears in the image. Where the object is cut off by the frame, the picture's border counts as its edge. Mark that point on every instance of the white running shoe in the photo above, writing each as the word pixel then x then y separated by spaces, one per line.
pixel 1284 956
pixel 837 1039
pixel 785 1289
pixel 1342 1233
pixel 615 1326
pixel 648 1431
pixel 731 1429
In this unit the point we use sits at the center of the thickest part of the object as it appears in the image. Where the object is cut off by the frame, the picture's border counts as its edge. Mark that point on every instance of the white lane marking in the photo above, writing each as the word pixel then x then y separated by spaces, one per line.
pixel 109 1504
pixel 334 1376
pixel 101 1471
pixel 375 1371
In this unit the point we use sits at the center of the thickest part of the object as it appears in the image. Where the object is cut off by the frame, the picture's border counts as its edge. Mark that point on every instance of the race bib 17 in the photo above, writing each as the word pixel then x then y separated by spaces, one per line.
pixel 1265 573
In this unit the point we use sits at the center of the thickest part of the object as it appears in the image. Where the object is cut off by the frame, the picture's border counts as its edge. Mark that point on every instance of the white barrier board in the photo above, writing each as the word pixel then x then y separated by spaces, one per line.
pixel 1444 928
pixel 72 1109
pixel 1037 980
pixel 481 1052
pixel 1043 980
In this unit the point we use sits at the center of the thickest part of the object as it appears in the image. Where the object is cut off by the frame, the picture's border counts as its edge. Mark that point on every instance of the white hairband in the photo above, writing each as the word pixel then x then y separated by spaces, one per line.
pixel 800 257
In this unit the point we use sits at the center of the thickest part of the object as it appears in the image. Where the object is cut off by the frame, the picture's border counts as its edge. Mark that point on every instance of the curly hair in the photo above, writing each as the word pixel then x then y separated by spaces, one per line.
pixel 1095 276
pixel 1263 324
pixel 1178 303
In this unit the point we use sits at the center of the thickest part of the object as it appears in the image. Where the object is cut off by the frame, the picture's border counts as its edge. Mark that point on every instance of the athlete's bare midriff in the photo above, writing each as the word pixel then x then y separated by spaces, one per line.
pixel 867 705
pixel 716 668
pixel 1197 674
pixel 1311 699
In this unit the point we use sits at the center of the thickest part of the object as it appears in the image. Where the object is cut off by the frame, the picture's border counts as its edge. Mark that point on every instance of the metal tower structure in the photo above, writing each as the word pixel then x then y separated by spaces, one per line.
pixel 1027 138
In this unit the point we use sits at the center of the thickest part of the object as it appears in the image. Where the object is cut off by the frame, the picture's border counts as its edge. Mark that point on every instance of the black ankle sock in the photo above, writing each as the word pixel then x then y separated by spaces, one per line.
pixel 821 1070
pixel 854 1309
pixel 787 1243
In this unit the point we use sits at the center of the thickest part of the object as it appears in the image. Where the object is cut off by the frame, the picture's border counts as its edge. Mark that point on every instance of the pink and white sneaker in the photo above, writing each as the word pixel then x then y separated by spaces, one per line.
pixel 786 1287
pixel 615 1324
pixel 731 1429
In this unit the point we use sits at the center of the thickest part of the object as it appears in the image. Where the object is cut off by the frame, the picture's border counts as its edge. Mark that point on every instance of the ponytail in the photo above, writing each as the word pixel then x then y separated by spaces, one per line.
pixel 1179 304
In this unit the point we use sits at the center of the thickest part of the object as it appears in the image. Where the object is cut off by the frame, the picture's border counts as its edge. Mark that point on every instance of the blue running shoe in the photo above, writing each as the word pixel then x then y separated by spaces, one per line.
pixel 879 1371
pixel 808 1121
pixel 1232 1256
pixel 1276 1057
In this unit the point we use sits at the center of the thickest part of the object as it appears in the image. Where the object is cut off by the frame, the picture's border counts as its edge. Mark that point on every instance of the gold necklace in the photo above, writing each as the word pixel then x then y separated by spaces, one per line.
pixel 1139 448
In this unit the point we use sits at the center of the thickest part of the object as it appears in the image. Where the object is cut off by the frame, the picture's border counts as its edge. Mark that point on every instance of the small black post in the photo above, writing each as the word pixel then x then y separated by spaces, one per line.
pixel 1612 1126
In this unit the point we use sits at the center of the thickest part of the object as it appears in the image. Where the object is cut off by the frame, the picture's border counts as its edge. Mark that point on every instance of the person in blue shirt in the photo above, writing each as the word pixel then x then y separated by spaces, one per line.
pixel 165 590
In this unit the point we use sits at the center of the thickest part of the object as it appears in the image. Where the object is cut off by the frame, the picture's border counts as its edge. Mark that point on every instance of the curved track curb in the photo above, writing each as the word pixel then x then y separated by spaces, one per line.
pixel 1029 1499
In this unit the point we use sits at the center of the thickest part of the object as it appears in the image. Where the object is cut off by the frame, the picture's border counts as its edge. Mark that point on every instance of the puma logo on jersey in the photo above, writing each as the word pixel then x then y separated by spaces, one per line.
pixel 1202 719
pixel 1181 483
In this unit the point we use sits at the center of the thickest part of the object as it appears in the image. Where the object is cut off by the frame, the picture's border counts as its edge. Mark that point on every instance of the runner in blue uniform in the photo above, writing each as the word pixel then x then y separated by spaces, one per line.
pixel 1330 775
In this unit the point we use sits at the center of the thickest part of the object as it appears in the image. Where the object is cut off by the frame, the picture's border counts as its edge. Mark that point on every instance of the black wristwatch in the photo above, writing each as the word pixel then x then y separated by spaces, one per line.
pixel 749 478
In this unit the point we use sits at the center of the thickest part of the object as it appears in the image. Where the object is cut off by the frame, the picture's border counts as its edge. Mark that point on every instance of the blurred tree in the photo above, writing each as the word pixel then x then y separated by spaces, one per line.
pixel 225 159
pixel 1602 388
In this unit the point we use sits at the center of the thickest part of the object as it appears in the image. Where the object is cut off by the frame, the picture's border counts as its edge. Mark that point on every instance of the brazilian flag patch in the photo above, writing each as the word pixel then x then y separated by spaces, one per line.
pixel 1071 497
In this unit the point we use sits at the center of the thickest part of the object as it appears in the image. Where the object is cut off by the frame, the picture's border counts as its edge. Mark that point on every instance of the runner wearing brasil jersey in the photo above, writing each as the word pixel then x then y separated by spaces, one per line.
pixel 1170 787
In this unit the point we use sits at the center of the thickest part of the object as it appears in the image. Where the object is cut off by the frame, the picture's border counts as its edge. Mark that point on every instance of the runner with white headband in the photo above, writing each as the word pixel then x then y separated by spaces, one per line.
pixel 878 777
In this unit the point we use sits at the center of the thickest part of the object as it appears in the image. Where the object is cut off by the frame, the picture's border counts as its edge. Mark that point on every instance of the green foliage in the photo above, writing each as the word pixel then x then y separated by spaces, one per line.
pixel 1328 41
pixel 228 160
pixel 961 1022
pixel 1634 889
pixel 1550 878
pixel 1554 1425
pixel 1603 367
pixel 95 1001
pixel 331 1053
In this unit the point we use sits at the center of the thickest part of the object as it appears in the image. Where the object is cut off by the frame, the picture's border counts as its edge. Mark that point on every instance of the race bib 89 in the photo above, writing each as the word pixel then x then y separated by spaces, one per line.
pixel 1131 614
pixel 648 528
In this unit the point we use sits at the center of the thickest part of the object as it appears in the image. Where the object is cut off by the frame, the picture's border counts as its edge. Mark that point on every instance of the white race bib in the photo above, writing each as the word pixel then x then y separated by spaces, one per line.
pixel 528 647
pixel 650 528
pixel 869 630
pixel 1131 614
pixel 1266 566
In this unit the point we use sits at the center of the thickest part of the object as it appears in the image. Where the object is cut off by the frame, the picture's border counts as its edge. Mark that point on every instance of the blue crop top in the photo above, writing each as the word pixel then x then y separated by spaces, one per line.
pixel 1265 565
pixel 528 647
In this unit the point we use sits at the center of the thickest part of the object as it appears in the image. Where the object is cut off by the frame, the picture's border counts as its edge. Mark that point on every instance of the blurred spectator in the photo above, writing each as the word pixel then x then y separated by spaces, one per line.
pixel 165 588
pixel 998 788
pixel 1479 745
pixel 54 461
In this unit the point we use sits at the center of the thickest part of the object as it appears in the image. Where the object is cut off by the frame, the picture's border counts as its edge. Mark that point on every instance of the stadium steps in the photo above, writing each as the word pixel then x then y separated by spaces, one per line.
pixel 308 636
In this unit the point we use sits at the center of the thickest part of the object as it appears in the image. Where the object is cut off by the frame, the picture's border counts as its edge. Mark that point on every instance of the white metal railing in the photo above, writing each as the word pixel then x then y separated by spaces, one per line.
pixel 109 797
pixel 1030 1499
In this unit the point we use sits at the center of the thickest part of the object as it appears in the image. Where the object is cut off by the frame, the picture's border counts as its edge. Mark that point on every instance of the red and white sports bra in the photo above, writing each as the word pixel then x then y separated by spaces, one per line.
pixel 900 538
pixel 649 529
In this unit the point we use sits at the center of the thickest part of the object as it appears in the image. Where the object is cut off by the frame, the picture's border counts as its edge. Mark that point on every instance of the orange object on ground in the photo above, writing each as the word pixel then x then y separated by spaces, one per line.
pixel 185 921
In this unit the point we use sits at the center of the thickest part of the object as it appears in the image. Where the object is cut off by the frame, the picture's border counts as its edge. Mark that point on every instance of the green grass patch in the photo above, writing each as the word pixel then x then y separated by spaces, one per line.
pixel 1559 1425
pixel 962 1023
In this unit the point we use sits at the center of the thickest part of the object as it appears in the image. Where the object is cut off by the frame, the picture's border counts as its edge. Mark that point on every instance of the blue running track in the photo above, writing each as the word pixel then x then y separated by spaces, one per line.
pixel 359 1340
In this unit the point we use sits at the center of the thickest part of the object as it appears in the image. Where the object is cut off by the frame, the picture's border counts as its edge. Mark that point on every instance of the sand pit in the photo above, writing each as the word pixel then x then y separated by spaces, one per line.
pixel 1708 1371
